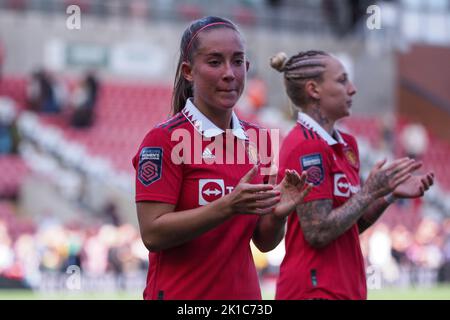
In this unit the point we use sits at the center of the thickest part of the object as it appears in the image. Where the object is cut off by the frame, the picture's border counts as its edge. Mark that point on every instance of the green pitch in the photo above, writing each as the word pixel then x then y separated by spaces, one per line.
pixel 435 293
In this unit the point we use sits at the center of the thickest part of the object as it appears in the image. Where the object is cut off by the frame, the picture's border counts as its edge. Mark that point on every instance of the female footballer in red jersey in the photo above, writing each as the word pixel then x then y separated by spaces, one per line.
pixel 323 256
pixel 197 212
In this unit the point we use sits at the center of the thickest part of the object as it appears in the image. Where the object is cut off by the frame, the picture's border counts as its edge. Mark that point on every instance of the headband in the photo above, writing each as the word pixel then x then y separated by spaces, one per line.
pixel 200 30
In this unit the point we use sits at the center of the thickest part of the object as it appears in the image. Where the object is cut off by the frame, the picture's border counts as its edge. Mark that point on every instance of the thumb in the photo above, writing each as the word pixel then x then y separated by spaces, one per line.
pixel 380 163
pixel 249 175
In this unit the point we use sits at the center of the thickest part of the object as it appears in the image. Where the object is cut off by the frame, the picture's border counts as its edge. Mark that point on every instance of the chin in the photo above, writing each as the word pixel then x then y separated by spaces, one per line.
pixel 227 104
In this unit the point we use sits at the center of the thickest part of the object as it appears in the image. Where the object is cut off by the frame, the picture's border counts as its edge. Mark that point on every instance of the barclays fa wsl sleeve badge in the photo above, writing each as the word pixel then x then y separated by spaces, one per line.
pixel 150 165
pixel 313 165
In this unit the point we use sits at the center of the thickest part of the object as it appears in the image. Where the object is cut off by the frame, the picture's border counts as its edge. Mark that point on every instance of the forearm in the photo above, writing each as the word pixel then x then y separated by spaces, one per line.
pixel 175 228
pixel 321 224
pixel 269 232
pixel 371 214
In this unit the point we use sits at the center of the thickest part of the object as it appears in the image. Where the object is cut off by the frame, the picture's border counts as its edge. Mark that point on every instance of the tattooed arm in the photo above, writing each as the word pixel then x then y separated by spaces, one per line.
pixel 371 214
pixel 321 224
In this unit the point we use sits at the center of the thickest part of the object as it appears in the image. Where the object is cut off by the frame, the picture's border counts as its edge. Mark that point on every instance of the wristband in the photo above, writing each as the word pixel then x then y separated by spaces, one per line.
pixel 390 198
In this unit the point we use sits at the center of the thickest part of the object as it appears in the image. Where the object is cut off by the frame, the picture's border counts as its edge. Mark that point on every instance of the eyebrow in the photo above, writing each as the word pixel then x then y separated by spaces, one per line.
pixel 218 54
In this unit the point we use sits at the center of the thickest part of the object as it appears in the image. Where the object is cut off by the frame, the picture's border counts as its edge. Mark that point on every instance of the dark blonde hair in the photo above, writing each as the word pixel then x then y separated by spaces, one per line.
pixel 300 68
pixel 182 89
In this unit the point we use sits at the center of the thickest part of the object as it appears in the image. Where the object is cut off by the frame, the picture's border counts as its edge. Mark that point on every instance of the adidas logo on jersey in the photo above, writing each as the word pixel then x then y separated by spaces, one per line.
pixel 207 154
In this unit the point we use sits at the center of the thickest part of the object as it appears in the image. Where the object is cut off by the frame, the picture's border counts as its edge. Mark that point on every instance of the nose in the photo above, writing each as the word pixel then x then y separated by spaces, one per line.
pixel 228 74
pixel 351 89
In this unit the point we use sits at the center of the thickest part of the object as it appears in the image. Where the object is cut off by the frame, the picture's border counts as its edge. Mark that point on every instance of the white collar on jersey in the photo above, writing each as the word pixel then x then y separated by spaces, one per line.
pixel 206 127
pixel 310 123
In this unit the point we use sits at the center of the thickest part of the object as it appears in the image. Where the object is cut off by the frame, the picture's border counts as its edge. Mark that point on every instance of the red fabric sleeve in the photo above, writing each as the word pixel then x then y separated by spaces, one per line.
pixel 158 178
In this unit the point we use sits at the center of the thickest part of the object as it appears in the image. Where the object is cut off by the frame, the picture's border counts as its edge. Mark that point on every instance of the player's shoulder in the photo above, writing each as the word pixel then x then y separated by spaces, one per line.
pixel 302 137
pixel 163 130
pixel 175 121
pixel 348 137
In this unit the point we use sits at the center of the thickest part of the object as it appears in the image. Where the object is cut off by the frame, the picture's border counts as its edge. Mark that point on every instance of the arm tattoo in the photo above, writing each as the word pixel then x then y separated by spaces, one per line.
pixel 321 224
pixel 371 214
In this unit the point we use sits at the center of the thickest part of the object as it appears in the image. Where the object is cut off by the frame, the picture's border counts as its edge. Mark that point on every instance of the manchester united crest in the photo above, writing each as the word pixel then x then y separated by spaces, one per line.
pixel 351 157
pixel 252 152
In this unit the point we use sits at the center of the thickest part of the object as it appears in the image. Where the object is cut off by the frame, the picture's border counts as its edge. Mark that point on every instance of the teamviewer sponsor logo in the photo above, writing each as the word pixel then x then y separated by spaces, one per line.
pixel 343 188
pixel 210 190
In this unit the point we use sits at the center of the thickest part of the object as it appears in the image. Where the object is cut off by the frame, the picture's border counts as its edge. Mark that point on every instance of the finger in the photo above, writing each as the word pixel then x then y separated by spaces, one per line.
pixel 304 193
pixel 402 165
pixel 409 168
pixel 377 167
pixel 422 191
pixel 303 179
pixel 380 163
pixel 273 175
pixel 292 177
pixel 401 179
pixel 430 178
pixel 249 175
pixel 425 182
pixel 264 195
pixel 257 187
pixel 263 212
pixel 396 162
pixel 264 204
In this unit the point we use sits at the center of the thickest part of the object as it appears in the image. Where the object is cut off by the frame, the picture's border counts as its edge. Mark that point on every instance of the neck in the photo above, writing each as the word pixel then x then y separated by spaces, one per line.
pixel 325 122
pixel 221 118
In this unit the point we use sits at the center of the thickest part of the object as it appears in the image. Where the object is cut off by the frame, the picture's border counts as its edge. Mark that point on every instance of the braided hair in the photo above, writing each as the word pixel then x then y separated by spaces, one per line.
pixel 300 68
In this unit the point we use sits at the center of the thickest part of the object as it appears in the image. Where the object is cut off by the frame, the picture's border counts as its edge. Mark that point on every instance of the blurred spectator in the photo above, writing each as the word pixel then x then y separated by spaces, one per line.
pixel 6 252
pixel 111 214
pixel 42 93
pixel 344 16
pixel 84 101
pixel 256 93
pixel 2 59
pixel 380 252
pixel 387 132
pixel 401 241
pixel 414 140
pixel 8 128
pixel 444 270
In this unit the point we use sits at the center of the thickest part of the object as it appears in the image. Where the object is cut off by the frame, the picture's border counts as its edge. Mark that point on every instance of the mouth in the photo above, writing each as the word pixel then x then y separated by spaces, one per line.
pixel 227 90
pixel 349 103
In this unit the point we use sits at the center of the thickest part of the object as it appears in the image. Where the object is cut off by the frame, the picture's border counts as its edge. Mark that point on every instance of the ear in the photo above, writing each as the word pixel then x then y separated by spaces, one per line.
pixel 247 65
pixel 186 71
pixel 312 89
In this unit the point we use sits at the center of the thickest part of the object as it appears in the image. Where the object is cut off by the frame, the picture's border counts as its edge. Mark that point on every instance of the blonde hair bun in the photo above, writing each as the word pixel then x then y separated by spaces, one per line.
pixel 278 61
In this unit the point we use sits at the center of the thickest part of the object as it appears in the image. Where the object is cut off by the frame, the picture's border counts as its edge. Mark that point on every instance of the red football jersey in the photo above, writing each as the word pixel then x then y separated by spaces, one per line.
pixel 337 270
pixel 178 164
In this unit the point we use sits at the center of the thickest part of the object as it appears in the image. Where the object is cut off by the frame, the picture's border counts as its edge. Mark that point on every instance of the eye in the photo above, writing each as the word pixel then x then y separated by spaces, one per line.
pixel 343 80
pixel 214 63
pixel 239 62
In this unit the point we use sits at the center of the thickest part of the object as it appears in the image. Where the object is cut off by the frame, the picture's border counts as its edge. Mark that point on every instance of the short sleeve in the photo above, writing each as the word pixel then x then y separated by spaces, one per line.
pixel 312 157
pixel 158 178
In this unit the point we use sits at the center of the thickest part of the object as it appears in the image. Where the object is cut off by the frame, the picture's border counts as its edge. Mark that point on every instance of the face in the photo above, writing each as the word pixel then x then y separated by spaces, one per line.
pixel 218 69
pixel 335 91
